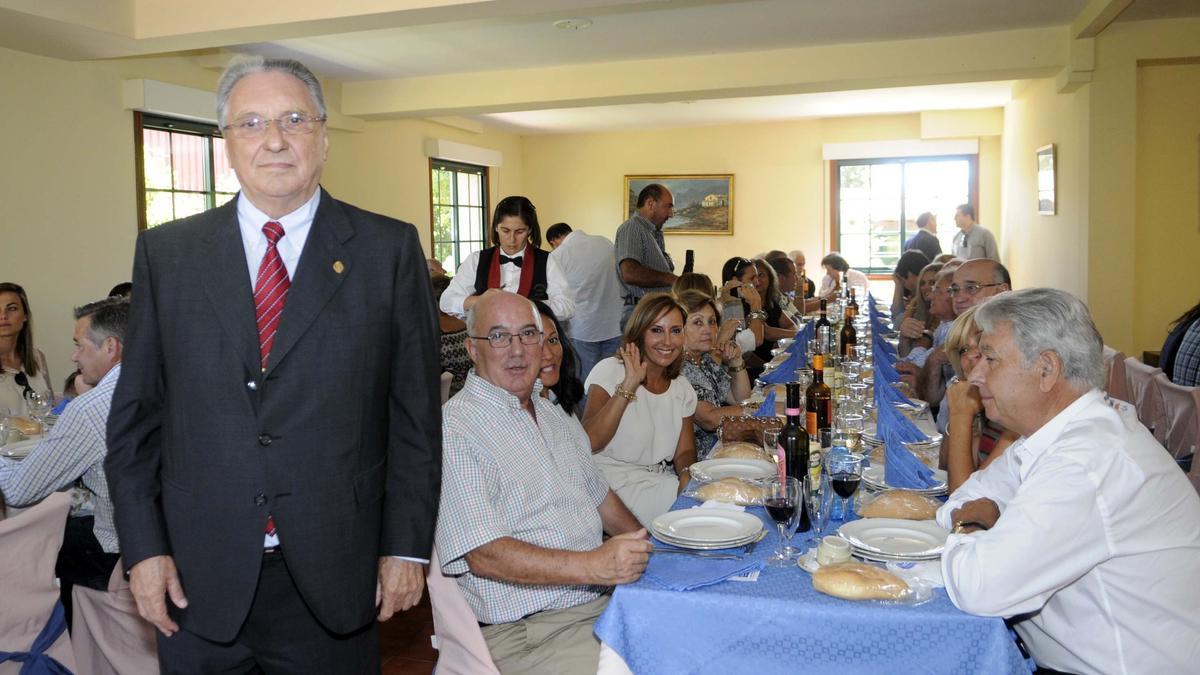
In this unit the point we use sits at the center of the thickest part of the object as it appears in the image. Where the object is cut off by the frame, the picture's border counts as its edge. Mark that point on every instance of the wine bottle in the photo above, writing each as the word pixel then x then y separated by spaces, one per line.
pixel 852 307
pixel 819 400
pixel 849 338
pixel 823 329
pixel 794 437
pixel 845 285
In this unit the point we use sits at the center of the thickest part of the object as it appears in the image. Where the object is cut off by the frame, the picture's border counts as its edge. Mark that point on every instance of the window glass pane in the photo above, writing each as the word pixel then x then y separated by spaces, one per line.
pixel 473 228
pixel 226 179
pixel 475 193
pixel 189 157
pixel 222 197
pixel 189 204
pixel 443 223
pixel 444 252
pixel 156 153
pixel 159 208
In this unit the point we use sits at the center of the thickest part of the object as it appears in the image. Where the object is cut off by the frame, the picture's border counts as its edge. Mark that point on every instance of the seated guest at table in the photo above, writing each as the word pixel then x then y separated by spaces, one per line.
pixel 73 386
pixel 560 384
pixel 917 326
pixel 22 366
pixel 906 277
pixel 835 267
pixel 972 441
pixel 719 385
pixel 778 325
pixel 516 264
pixel 730 328
pixel 121 290
pixel 454 359
pixel 523 508
pixel 694 281
pixel 75 449
pixel 740 299
pixel 787 277
pixel 639 410
pixel 1085 531
pixel 1180 355
pixel 806 290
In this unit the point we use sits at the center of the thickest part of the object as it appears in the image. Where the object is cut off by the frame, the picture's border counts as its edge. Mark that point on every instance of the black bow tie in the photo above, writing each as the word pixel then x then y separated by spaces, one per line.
pixel 504 260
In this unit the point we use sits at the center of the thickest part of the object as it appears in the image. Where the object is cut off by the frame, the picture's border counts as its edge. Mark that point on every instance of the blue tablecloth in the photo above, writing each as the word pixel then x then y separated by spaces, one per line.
pixel 779 624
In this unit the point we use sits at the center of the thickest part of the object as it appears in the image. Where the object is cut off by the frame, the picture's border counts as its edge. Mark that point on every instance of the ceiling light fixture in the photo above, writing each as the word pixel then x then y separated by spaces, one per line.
pixel 572 24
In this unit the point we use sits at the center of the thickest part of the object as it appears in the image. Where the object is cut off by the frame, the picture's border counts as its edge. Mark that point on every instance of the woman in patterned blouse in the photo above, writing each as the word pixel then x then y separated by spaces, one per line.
pixel 718 387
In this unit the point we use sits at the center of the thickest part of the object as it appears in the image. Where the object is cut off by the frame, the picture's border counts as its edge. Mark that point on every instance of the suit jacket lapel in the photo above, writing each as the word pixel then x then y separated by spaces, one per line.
pixel 323 265
pixel 226 281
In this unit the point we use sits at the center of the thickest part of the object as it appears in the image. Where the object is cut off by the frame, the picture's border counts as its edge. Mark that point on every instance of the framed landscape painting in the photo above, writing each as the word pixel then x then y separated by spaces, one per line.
pixel 703 203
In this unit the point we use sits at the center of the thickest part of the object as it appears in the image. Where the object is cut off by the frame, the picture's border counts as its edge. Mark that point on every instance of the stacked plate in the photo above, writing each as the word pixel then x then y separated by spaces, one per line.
pixel 706 529
pixel 894 540
pixel 873 479
pixel 19 449
pixel 748 469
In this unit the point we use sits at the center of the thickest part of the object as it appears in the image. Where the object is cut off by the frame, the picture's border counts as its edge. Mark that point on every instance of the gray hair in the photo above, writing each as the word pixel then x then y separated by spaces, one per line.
pixel 248 64
pixel 108 318
pixel 471 315
pixel 1049 320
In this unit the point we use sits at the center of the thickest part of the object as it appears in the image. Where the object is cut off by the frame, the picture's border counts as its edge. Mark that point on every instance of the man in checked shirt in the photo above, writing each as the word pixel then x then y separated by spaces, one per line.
pixel 74 449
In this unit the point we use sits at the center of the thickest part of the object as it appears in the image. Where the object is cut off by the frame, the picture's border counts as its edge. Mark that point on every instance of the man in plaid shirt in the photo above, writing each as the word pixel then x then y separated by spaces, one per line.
pixel 524 508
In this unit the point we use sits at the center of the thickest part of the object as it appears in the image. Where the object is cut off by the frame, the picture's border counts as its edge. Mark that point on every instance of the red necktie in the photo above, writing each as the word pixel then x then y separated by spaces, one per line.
pixel 270 290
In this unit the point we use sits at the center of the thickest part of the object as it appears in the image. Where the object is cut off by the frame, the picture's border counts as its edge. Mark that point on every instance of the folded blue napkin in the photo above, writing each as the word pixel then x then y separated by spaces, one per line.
pixel 902 469
pixel 884 370
pixel 881 347
pixel 767 409
pixel 685 572
pixel 802 337
pixel 887 416
pixel 786 372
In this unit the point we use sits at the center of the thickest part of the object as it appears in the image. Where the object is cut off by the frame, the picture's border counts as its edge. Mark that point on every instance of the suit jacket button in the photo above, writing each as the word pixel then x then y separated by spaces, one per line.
pixel 252 385
pixel 260 499
pixel 264 439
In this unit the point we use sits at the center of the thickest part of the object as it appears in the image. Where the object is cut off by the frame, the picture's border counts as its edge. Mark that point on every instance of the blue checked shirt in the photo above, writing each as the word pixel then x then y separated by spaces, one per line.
pixel 74 449
pixel 503 475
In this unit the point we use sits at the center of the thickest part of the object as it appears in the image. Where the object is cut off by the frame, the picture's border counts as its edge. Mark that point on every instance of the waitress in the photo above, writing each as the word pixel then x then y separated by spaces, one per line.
pixel 512 265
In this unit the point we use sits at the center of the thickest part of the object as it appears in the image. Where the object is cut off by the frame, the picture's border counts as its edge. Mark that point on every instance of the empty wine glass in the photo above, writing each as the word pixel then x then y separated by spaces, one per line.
pixel 845 473
pixel 785 505
pixel 819 497
pixel 770 443
pixel 39 405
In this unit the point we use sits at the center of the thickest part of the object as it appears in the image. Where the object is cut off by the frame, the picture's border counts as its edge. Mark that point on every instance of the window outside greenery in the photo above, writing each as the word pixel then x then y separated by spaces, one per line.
pixel 184 169
pixel 458 194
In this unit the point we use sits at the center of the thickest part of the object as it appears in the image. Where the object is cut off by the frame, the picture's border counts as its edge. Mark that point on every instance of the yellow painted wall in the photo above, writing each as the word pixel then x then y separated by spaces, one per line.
pixel 781 183
pixel 1168 195
pixel 1046 250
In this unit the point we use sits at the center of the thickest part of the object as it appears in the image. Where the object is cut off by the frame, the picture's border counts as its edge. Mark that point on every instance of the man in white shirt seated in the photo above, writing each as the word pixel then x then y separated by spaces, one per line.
pixel 1084 531
pixel 523 507
pixel 835 267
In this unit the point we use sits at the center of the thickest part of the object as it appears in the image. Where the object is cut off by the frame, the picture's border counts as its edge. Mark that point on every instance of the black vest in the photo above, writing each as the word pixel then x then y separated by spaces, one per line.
pixel 540 260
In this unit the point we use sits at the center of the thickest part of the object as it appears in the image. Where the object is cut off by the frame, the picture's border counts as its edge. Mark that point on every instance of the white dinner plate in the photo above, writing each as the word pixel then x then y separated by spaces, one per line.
pixel 19 449
pixel 895 537
pixel 748 469
pixel 873 476
pixel 683 543
pixel 706 527
pixel 872 556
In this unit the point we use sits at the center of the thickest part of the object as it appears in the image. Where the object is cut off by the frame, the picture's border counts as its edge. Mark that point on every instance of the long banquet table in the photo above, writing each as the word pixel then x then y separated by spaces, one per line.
pixel 779 624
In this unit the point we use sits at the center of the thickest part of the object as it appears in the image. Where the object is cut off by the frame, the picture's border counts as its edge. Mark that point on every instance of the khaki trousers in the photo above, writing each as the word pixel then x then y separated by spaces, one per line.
pixel 556 641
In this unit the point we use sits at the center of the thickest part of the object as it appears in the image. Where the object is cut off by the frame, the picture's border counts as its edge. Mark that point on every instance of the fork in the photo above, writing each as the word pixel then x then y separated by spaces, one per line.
pixel 700 554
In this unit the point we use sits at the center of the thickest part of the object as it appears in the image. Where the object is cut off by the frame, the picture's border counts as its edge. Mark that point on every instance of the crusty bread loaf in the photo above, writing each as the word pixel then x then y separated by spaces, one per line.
pixel 25 425
pixel 858 581
pixel 731 490
pixel 904 504
pixel 739 450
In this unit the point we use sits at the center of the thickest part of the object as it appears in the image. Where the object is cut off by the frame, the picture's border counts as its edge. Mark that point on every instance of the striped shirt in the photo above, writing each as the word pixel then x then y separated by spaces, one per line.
pixel 639 240
pixel 1186 371
pixel 503 475
pixel 74 449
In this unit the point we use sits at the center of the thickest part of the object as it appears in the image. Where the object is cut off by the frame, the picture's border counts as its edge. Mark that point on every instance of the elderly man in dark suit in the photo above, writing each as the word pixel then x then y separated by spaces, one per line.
pixel 274 442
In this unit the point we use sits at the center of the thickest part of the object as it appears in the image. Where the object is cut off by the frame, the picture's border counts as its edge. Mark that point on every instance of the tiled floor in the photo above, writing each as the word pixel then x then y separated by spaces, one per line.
pixel 404 642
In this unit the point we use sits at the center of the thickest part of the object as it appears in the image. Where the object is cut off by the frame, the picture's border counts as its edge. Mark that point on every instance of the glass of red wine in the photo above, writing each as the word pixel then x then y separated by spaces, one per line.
pixel 784 503
pixel 845 473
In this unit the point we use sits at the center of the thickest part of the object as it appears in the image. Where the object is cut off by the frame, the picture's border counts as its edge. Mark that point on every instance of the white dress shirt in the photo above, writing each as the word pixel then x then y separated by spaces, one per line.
pixel 296 226
pixel 855 278
pixel 462 286
pixel 588 264
pixel 1097 549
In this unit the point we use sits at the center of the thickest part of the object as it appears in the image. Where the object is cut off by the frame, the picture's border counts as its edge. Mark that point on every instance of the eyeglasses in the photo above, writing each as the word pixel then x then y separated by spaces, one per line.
pixel 500 340
pixel 292 123
pixel 970 289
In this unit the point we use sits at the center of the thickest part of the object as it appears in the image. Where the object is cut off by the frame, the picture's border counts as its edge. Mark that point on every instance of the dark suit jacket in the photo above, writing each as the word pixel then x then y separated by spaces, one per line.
pixel 926 243
pixel 339 439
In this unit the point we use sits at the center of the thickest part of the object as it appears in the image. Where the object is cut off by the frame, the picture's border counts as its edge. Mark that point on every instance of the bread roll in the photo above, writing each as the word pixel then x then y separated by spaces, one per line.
pixel 738 450
pixel 858 581
pixel 25 425
pixel 731 490
pixel 904 504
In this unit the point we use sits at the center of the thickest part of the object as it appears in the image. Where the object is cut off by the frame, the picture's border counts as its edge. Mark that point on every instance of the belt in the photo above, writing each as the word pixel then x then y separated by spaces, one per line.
pixel 485 625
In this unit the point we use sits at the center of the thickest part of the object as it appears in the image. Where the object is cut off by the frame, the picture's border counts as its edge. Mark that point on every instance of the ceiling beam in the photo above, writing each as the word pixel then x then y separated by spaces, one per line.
pixel 1097 16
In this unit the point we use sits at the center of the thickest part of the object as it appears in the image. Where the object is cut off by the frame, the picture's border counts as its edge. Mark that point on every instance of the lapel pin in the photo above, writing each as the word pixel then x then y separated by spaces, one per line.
pixel 338 266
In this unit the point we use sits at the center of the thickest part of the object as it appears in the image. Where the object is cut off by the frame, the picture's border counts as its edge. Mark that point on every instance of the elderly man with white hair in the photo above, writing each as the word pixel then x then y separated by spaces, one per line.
pixel 1085 531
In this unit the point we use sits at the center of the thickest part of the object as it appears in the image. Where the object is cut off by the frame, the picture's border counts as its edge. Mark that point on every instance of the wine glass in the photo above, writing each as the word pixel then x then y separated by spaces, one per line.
pixel 845 473
pixel 785 506
pixel 39 404
pixel 804 377
pixel 770 443
pixel 5 414
pixel 818 498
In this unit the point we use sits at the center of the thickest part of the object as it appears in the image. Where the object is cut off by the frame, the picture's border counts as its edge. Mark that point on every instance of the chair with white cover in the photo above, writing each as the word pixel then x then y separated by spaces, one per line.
pixel 108 634
pixel 456 635
pixel 447 379
pixel 1145 396
pixel 30 611
pixel 1181 412
pixel 1114 367
pixel 1194 474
